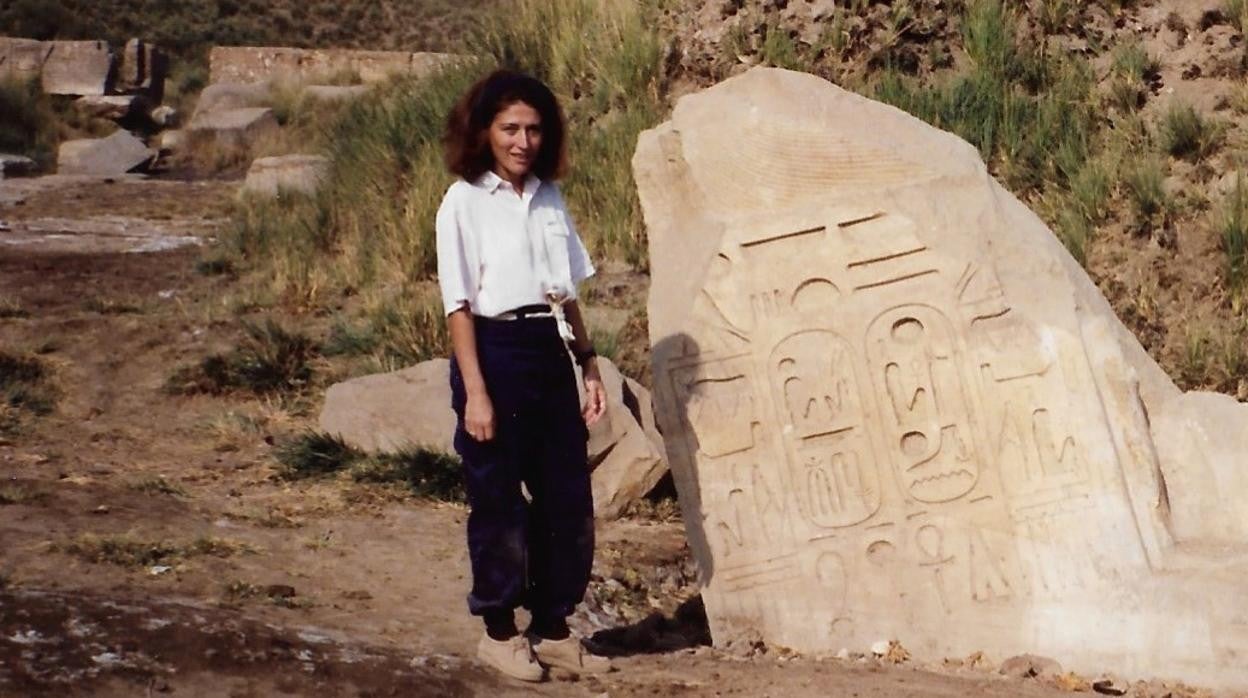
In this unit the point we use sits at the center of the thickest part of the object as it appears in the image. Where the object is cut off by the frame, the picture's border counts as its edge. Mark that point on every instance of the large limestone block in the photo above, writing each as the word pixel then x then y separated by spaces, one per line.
pixel 412 406
pixel 22 59
pixel 895 407
pixel 233 128
pixel 228 95
pixel 144 67
pixel 115 154
pixel 391 411
pixel 79 68
pixel 286 173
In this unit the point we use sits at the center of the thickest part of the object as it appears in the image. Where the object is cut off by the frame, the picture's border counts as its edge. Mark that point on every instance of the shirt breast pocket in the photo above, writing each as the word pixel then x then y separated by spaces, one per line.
pixel 555 234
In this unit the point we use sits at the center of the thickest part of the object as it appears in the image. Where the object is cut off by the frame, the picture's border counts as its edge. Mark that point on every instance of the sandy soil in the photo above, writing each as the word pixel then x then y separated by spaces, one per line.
pixel 322 588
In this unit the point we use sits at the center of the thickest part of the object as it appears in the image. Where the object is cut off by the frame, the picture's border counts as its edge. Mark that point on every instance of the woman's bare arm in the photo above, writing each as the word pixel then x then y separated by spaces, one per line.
pixel 595 393
pixel 478 410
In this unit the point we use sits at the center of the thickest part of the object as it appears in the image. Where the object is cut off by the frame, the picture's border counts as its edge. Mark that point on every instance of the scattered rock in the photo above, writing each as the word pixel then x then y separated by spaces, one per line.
pixel 271 176
pixel 627 459
pixel 280 591
pixel 879 648
pixel 1070 681
pixel 16 166
pixel 1026 666
pixel 115 107
pixel 1110 686
pixel 115 154
pixel 172 140
pixel 101 509
pixel 237 128
pixel 78 68
pixel 166 116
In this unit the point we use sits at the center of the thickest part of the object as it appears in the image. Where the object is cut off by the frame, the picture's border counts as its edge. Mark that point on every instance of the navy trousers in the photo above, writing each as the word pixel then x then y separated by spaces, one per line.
pixel 538 553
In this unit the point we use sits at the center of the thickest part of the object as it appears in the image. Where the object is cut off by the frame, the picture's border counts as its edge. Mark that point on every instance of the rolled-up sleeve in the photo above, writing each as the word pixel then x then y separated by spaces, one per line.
pixel 454 275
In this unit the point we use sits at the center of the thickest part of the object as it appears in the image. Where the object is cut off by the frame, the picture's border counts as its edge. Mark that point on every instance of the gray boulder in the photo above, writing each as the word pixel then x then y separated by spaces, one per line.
pixel 116 154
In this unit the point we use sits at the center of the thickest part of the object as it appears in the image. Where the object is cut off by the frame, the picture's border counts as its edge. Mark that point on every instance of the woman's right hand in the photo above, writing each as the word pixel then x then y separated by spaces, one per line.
pixel 479 417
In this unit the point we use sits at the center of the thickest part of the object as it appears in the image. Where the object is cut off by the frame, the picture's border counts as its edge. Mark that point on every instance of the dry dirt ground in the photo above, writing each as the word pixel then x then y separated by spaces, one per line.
pixel 242 584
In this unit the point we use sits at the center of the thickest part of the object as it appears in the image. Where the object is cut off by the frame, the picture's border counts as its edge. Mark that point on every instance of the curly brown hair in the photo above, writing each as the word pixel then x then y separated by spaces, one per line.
pixel 466 143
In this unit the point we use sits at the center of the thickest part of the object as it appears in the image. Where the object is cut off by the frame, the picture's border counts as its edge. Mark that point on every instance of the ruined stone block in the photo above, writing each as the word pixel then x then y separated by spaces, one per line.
pixel 895 406
pixel 79 68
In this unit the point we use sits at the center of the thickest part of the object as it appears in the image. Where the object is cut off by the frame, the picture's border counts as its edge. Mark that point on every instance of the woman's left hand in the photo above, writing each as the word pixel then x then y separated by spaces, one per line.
pixel 595 394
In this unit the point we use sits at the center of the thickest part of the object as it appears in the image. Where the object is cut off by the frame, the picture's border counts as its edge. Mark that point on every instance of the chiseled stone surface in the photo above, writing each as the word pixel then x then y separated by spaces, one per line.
pixel 412 406
pixel 895 406
pixel 79 68
pixel 292 173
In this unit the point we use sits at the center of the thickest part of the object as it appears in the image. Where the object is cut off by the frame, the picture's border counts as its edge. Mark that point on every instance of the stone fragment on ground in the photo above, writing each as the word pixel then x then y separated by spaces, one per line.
pixel 233 128
pixel 166 116
pixel 116 154
pixel 16 165
pixel 78 68
pixel 627 459
pixel 269 177
pixel 1027 666
pixel 387 412
pixel 892 399
pixel 115 107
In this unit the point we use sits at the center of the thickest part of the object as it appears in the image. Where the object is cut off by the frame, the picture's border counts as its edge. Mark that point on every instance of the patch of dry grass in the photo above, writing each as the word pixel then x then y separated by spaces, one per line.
pixel 130 551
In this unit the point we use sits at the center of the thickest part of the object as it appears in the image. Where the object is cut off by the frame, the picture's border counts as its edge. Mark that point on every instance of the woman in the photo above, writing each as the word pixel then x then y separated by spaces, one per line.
pixel 509 260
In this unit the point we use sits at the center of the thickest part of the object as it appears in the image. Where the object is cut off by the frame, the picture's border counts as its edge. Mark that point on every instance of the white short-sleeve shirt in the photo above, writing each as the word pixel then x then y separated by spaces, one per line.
pixel 498 250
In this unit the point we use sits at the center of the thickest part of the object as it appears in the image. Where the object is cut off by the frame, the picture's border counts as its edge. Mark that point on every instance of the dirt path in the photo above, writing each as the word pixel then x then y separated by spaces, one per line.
pixel 146 546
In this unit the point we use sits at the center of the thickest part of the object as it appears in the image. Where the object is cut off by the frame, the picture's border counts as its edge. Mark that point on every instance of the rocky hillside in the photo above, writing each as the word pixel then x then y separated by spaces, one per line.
pixel 429 25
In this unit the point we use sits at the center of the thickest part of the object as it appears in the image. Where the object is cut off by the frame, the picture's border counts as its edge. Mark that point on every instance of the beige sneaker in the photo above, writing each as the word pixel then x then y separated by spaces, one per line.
pixel 569 654
pixel 513 657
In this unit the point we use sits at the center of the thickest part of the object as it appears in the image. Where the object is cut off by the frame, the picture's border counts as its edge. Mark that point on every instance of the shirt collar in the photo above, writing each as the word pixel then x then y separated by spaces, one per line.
pixel 490 181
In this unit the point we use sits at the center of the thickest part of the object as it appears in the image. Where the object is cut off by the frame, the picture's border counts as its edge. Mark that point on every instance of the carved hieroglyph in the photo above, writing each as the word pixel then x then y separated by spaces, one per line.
pixel 896 408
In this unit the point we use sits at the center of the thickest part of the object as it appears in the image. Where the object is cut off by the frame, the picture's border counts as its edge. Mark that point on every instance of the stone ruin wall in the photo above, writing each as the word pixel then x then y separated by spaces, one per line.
pixel 246 64
pixel 86 68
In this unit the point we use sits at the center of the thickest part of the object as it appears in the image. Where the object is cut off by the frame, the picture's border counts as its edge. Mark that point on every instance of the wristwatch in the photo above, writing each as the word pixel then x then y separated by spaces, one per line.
pixel 583 357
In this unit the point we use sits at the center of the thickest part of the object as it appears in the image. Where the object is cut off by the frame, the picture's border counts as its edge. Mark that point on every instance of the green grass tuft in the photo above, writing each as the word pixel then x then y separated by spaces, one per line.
pixel 428 473
pixel 26 388
pixel 269 360
pixel 1186 134
pixel 28 122
pixel 1234 228
pixel 1144 181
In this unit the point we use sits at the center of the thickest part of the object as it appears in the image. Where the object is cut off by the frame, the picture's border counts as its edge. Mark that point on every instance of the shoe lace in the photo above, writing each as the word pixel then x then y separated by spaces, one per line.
pixel 520 646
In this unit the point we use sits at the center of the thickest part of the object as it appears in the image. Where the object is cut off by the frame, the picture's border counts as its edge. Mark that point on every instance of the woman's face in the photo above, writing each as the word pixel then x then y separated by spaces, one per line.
pixel 515 139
